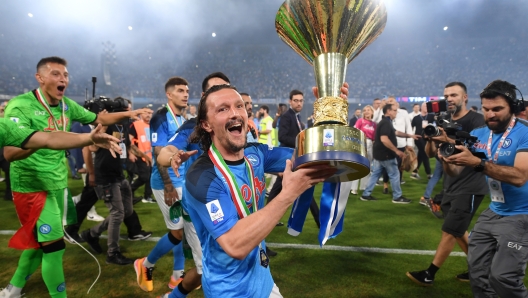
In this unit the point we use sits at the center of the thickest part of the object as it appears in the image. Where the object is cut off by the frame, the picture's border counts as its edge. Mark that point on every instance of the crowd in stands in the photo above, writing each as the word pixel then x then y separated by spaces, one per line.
pixel 271 71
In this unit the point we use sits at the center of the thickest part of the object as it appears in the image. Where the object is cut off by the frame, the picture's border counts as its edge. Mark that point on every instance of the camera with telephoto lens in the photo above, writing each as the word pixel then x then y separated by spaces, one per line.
pixel 462 138
pixel 452 129
pixel 112 105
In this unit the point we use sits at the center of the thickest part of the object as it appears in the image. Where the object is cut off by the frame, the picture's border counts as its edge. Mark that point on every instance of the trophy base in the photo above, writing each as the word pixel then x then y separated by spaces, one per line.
pixel 340 146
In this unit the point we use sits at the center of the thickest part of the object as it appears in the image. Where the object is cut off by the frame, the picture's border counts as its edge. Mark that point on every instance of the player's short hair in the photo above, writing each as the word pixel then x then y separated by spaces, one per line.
pixel 52 59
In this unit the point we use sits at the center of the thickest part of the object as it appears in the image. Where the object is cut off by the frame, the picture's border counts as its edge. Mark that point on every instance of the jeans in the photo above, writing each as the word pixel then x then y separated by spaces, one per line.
pixel 439 170
pixel 391 167
pixel 120 206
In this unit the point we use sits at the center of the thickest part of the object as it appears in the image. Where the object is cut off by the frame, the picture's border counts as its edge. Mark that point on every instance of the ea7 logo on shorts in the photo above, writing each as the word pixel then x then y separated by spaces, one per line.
pixel 215 211
pixel 45 229
pixel 514 245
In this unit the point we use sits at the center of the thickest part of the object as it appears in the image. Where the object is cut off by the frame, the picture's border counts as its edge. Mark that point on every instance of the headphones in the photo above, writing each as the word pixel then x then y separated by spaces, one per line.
pixel 516 105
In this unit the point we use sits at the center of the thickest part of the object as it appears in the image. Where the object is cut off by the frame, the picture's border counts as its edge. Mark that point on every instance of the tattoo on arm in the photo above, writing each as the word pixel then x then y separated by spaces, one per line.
pixel 164 172
pixel 135 150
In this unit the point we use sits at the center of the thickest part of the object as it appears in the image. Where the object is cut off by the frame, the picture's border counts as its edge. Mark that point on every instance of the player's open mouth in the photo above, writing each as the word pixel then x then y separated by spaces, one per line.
pixel 235 128
pixel 61 88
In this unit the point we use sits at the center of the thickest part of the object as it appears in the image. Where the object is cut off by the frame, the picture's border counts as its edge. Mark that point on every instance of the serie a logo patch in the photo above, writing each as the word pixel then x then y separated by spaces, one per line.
pixel 215 211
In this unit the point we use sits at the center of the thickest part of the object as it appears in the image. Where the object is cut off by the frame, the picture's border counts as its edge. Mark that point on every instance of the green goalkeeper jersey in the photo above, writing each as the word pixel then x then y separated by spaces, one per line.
pixel 11 135
pixel 45 169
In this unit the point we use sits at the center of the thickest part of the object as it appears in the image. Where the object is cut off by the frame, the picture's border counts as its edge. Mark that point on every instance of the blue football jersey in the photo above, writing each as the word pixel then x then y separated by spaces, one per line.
pixel 517 141
pixel 162 128
pixel 213 213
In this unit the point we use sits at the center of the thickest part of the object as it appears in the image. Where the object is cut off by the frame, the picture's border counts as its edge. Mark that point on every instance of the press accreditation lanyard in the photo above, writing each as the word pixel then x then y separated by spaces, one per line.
pixel 236 194
pixel 504 136
pixel 495 187
pixel 43 101
pixel 174 116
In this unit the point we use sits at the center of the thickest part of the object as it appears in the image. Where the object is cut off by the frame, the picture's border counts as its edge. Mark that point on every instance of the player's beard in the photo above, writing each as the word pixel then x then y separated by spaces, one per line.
pixel 500 125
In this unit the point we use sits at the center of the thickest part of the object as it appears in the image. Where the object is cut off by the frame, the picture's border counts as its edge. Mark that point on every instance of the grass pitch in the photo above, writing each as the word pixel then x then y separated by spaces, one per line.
pixel 299 272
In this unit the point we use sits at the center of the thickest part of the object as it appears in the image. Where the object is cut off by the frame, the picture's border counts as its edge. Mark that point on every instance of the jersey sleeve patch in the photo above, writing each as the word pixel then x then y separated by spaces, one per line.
pixel 215 211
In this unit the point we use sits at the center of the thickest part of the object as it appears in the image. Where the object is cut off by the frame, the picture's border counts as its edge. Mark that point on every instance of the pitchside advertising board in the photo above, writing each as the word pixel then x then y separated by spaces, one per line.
pixel 418 99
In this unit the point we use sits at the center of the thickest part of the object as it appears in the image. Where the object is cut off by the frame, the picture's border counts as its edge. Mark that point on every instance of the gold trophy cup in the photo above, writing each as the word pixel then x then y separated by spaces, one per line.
pixel 329 34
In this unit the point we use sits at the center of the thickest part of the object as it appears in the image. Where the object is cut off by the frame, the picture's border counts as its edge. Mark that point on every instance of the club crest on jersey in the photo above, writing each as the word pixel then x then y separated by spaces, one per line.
pixel 253 159
pixel 65 105
pixel 14 119
pixel 507 143
pixel 215 211
pixel 45 229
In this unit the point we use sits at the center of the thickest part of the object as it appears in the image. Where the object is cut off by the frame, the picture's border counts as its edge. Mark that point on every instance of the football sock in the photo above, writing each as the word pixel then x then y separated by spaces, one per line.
pixel 179 261
pixel 179 292
pixel 29 261
pixel 52 271
pixel 163 246
pixel 432 270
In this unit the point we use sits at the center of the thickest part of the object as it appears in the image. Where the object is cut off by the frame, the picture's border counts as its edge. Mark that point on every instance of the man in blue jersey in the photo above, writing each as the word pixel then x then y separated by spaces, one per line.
pixel 498 247
pixel 166 186
pixel 166 125
pixel 225 197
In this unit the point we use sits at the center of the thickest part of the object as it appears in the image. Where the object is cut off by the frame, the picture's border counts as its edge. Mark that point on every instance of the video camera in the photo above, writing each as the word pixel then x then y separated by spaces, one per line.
pixel 96 105
pixel 453 130
pixel 112 105
pixel 439 108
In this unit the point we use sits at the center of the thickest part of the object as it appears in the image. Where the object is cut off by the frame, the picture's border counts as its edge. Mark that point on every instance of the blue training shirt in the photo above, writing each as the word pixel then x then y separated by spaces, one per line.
pixel 162 129
pixel 213 213
pixel 515 201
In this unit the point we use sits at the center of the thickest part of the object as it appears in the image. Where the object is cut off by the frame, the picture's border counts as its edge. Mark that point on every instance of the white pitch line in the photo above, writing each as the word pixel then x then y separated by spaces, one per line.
pixel 326 247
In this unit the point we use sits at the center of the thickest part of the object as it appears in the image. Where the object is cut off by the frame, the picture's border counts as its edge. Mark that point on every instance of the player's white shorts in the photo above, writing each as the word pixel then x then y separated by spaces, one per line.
pixel 180 223
pixel 194 243
pixel 177 223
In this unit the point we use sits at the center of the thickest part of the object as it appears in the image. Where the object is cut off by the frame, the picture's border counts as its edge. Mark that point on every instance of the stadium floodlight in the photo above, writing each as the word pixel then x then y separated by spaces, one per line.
pixel 445 28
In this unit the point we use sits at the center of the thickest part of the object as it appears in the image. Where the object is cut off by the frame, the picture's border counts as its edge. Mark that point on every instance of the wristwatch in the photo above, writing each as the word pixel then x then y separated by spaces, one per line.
pixel 480 167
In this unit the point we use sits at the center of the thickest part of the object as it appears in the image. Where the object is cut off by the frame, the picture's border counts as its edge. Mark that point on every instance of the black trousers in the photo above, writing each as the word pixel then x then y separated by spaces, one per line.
pixel 277 188
pixel 422 156
pixel 87 201
pixel 143 171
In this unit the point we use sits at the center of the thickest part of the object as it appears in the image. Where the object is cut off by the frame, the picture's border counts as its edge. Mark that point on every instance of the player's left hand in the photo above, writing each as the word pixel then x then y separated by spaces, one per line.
pixel 104 140
pixel 180 157
pixel 343 95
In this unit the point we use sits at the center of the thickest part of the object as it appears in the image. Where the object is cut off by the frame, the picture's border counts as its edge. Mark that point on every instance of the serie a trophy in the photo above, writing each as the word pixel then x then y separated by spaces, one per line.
pixel 329 34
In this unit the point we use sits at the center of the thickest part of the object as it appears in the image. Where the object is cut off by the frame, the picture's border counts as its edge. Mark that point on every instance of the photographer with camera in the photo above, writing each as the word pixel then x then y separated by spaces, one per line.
pixel 114 190
pixel 497 248
pixel 463 193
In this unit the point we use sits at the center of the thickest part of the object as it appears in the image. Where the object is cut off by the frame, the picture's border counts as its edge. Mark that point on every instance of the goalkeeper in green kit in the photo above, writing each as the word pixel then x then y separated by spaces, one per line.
pixel 39 178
